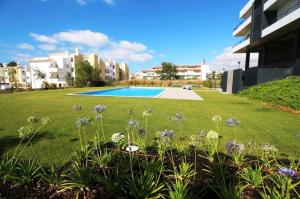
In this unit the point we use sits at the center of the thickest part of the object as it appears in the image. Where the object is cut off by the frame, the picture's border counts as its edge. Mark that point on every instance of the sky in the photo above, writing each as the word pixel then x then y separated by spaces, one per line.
pixel 143 33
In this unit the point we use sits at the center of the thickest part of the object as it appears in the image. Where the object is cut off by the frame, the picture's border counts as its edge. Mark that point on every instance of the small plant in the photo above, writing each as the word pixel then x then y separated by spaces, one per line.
pixel 283 187
pixel 252 178
pixel 102 159
pixel 145 186
pixel 185 172
pixel 54 176
pixel 236 151
pixel 7 165
pixel 26 172
pixel 178 190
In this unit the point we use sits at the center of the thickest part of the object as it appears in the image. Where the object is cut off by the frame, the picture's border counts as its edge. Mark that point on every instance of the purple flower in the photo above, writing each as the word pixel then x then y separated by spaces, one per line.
pixel 287 172
pixel 177 118
pixel 99 109
pixel 167 135
pixel 232 122
pixel 82 122
pixel 234 148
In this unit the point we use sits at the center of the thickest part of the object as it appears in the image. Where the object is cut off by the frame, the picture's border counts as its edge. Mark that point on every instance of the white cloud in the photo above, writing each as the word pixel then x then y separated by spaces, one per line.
pixel 21 57
pixel 94 42
pixel 43 38
pixel 25 46
pixel 110 2
pixel 84 37
pixel 228 60
pixel 47 47
pixel 82 2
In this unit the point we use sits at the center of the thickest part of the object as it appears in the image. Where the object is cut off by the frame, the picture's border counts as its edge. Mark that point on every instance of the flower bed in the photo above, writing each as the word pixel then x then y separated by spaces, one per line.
pixel 128 165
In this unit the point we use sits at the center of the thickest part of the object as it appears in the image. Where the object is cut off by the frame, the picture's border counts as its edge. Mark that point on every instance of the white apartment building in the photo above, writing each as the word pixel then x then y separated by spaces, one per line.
pixel 185 71
pixel 52 69
pixel 15 75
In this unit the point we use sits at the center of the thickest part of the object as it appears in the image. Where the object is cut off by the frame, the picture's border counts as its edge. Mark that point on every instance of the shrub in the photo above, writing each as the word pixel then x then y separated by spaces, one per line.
pixel 279 93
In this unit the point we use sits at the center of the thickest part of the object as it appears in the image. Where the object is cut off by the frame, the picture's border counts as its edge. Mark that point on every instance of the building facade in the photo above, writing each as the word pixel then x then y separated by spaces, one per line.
pixel 17 76
pixel 54 68
pixel 270 28
pixel 185 71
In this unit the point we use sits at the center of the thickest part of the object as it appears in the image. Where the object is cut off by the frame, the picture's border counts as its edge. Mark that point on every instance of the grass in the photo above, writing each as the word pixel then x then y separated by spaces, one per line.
pixel 280 93
pixel 258 123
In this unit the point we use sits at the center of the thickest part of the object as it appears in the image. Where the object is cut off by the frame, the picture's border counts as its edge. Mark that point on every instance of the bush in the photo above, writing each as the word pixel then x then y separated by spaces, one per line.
pixel 207 84
pixel 279 93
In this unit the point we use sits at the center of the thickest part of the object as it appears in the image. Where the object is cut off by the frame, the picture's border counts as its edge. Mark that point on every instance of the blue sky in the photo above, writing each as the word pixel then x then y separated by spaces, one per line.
pixel 142 32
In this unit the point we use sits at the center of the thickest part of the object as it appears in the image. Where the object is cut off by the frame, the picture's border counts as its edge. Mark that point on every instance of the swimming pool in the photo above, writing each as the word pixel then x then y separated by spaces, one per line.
pixel 127 92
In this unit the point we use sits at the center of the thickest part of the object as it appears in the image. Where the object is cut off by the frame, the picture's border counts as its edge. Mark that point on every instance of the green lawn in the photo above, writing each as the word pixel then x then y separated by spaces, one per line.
pixel 258 123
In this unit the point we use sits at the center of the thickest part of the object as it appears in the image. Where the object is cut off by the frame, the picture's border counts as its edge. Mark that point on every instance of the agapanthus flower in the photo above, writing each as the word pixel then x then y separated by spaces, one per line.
pixel 26 131
pixel 142 132
pixel 131 112
pixel 98 117
pixel 217 118
pixel 33 119
pixel 212 135
pixel 269 149
pixel 77 108
pixel 83 122
pixel 99 109
pixel 287 172
pixel 147 113
pixel 202 134
pixel 193 140
pixel 232 122
pixel 133 123
pixel 46 121
pixel 132 148
pixel 117 137
pixel 234 148
pixel 167 135
pixel 177 118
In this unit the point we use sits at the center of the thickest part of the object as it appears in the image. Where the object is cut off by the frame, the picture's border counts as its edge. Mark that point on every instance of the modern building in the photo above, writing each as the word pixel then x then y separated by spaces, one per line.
pixel 185 71
pixel 50 70
pixel 270 28
pixel 53 69
pixel 17 76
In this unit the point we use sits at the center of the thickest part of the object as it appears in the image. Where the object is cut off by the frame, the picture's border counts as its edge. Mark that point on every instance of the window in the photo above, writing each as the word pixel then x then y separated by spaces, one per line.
pixel 71 59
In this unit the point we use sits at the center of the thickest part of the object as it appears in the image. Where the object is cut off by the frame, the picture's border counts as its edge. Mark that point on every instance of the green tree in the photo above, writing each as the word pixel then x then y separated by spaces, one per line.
pixel 168 71
pixel 12 64
pixel 69 79
pixel 83 73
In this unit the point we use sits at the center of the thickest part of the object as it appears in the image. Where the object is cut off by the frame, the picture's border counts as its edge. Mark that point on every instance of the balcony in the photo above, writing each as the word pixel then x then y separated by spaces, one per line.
pixel 246 10
pixel 241 46
pixel 272 4
pixel 284 19
pixel 243 28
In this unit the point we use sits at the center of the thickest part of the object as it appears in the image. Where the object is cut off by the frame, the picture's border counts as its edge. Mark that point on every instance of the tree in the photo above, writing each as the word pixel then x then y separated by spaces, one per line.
pixel 1 65
pixel 12 64
pixel 83 72
pixel 69 79
pixel 12 75
pixel 168 71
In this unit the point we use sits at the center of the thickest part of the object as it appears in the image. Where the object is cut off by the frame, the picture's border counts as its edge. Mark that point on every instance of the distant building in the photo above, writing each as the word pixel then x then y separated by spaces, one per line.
pixel 184 71
pixel 17 76
pixel 54 68
pixel 270 28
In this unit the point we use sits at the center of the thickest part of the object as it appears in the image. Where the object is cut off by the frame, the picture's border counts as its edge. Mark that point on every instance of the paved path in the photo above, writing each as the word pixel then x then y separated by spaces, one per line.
pixel 179 93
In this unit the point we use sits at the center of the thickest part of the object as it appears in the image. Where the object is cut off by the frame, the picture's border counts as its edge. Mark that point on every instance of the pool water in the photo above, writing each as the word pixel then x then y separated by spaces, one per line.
pixel 127 92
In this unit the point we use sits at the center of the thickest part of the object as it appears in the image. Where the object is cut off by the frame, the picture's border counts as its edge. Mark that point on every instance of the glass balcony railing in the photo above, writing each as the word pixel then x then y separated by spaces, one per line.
pixel 243 21
pixel 241 41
